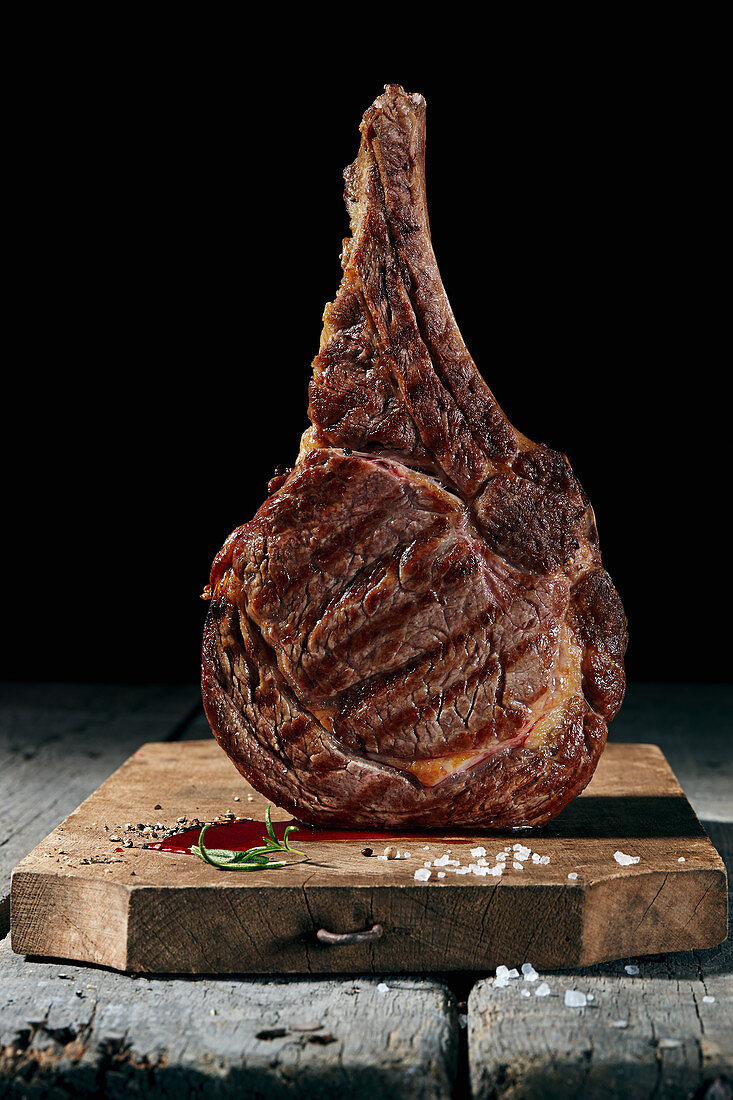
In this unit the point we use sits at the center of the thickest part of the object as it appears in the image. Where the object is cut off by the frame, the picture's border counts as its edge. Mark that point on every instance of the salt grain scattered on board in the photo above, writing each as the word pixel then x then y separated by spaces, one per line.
pixel 481 868
pixel 503 975
pixel 542 990
pixel 422 874
pixel 573 875
pixel 682 860
pixel 632 971
pixel 382 988
pixel 575 999
pixel 625 860
pixel 529 972
pixel 708 1000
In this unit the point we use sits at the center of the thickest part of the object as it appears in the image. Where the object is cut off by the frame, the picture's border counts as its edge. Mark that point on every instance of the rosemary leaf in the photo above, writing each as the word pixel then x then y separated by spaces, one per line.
pixel 254 859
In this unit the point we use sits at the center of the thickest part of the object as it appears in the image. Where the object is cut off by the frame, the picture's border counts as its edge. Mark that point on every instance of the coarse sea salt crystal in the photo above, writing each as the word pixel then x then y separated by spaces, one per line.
pixel 382 988
pixel 478 852
pixel 544 860
pixel 708 1000
pixel 498 870
pixel 632 971
pixel 591 997
pixel 517 866
pixel 542 990
pixel 501 857
pixel 619 1023
pixel 575 999
pixel 682 860
pixel 625 860
pixel 422 874
pixel 535 857
pixel 573 875
pixel 441 874
pixel 525 993
pixel 529 972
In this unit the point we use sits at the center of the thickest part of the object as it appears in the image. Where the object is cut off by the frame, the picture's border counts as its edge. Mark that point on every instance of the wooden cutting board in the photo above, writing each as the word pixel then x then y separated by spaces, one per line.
pixel 148 911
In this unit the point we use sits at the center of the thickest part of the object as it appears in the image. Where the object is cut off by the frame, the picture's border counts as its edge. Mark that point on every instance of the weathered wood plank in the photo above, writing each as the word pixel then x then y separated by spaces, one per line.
pixel 639 1037
pixel 579 906
pixel 198 728
pixel 673 1040
pixel 97 1033
pixel 58 742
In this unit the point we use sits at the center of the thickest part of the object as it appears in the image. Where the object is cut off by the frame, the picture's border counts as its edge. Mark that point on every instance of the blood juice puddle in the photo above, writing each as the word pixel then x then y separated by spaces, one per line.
pixel 238 836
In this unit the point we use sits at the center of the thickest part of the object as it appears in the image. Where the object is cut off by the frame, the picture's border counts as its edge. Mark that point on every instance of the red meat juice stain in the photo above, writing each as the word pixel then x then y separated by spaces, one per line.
pixel 238 836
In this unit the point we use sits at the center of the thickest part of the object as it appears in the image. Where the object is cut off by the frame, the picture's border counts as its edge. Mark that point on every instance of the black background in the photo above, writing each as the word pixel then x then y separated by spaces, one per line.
pixel 179 219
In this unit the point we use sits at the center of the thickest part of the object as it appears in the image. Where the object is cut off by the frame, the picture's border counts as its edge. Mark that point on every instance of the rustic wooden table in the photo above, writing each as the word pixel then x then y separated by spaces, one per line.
pixel 69 1030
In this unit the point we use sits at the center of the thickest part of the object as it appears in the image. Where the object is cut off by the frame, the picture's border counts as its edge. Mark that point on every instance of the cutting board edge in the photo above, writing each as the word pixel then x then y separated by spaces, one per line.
pixel 39 938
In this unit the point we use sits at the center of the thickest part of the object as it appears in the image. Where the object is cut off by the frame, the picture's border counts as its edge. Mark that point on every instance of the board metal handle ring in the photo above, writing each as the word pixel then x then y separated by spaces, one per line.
pixel 369 935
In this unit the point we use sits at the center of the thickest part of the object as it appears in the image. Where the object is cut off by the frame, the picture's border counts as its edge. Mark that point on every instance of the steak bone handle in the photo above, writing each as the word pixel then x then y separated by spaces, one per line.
pixel 369 935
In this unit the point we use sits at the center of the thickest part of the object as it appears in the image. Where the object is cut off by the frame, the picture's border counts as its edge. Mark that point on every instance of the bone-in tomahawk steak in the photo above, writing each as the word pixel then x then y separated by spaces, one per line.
pixel 415 628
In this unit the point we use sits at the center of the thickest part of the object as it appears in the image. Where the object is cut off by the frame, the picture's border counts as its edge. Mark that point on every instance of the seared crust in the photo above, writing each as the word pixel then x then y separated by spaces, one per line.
pixel 416 627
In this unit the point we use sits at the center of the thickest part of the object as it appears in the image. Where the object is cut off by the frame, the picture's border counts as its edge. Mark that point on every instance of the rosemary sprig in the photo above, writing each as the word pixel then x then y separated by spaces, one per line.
pixel 254 859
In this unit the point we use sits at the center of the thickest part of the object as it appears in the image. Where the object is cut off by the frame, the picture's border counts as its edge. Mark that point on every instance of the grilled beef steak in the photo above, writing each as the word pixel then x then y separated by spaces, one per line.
pixel 415 628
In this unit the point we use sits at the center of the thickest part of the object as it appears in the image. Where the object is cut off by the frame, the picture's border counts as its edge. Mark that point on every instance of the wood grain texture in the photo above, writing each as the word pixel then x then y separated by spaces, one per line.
pixel 58 742
pixel 178 915
pixel 98 1033
pixel 672 1041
